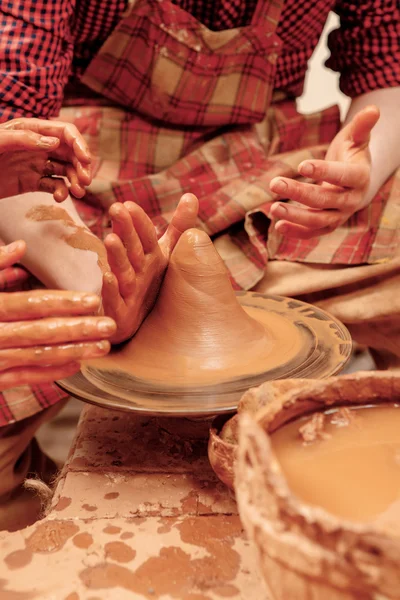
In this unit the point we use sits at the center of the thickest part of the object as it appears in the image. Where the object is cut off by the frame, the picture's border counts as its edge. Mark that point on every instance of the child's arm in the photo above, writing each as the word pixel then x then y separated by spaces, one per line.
pixel 61 251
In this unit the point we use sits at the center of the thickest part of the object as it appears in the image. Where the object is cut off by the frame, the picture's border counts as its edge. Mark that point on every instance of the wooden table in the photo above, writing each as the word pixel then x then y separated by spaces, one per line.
pixel 137 513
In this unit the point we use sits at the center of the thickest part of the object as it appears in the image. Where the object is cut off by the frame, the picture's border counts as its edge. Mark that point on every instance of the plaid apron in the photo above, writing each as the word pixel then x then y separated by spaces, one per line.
pixel 189 109
pixel 175 107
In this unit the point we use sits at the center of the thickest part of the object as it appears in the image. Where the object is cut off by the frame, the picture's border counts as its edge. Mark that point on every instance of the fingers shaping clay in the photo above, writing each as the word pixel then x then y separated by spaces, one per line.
pixel 198 333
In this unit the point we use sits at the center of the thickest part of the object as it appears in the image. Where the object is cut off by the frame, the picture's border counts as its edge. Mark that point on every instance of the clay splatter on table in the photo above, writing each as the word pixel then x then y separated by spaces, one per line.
pixel 163 527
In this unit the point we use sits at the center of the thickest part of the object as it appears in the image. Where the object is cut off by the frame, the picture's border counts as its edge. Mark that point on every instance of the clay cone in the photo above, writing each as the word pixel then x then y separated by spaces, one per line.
pixel 198 333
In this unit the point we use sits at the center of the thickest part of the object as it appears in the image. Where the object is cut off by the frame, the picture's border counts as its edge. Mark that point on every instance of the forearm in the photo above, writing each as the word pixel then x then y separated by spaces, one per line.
pixel 385 137
pixel 61 252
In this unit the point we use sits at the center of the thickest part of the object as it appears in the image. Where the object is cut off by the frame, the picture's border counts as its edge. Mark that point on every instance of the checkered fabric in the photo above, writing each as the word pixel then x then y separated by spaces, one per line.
pixel 188 75
pixel 45 44
pixel 231 144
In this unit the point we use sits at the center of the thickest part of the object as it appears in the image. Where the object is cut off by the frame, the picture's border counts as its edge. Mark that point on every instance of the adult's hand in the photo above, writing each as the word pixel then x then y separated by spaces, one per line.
pixel 44 334
pixel 40 155
pixel 341 183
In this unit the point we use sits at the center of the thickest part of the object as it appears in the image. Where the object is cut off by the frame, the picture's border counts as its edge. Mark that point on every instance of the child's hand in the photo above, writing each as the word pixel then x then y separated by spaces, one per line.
pixel 341 183
pixel 137 265
pixel 36 155
pixel 138 261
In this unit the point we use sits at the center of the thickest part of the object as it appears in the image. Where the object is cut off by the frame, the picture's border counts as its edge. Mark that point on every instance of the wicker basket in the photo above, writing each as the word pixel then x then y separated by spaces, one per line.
pixel 305 552
pixel 224 431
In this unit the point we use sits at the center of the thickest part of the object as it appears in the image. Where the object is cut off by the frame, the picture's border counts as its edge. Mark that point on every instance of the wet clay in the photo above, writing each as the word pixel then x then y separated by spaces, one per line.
pixel 119 552
pixel 79 238
pixel 347 461
pixel 174 572
pixel 198 333
pixel 51 536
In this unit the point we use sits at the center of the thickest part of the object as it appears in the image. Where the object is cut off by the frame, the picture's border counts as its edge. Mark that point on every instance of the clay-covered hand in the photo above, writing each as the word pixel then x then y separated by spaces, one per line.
pixel 132 259
pixel 340 183
pixel 40 155
pixel 44 334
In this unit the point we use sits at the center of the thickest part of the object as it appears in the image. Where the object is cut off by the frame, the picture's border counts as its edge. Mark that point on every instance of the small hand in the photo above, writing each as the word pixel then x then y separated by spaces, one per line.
pixel 341 183
pixel 135 258
pixel 36 155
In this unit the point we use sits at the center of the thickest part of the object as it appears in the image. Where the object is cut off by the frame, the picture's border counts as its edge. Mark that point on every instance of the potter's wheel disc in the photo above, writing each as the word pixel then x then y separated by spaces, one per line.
pixel 325 349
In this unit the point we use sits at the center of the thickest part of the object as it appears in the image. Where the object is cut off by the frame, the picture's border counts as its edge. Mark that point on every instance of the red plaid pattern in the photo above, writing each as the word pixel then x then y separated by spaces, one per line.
pixel 152 162
pixel 45 44
pixel 188 76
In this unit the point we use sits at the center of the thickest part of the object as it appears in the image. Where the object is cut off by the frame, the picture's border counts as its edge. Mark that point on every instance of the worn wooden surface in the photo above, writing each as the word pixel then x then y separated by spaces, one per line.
pixel 137 513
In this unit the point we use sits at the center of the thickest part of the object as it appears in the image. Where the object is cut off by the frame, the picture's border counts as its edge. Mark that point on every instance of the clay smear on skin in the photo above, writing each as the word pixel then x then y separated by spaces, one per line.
pixel 347 461
pixel 80 238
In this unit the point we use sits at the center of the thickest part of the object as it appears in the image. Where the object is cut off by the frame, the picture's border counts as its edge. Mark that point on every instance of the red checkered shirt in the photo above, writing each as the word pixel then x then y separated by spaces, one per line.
pixel 45 44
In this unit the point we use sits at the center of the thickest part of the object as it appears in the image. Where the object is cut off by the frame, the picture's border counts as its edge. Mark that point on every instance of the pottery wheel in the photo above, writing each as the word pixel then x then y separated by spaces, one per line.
pixel 322 348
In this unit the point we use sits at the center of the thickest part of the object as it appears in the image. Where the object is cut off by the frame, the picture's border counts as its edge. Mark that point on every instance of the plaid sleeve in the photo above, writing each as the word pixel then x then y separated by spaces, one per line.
pixel 36 51
pixel 366 47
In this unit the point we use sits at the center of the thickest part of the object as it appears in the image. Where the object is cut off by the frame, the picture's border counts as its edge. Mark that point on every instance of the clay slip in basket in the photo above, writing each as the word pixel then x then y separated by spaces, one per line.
pixel 305 552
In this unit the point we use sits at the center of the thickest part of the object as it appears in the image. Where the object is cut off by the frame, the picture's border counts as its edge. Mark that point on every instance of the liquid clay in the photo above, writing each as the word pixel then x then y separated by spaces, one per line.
pixel 347 461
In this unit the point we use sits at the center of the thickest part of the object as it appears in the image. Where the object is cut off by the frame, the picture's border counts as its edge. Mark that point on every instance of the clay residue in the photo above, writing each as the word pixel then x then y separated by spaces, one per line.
pixel 51 536
pixel 83 540
pixel 89 507
pixel 167 523
pixel 12 595
pixel 18 559
pixel 174 572
pixel 191 505
pixel 111 496
pixel 127 535
pixel 43 212
pixel 227 591
pixel 63 503
pixel 230 431
pixel 119 551
pixel 343 417
pixel 313 430
pixel 112 529
pixel 80 237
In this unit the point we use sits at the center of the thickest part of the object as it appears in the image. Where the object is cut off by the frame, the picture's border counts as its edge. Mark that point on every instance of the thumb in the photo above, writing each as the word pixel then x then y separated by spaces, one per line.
pixel 26 140
pixel 362 124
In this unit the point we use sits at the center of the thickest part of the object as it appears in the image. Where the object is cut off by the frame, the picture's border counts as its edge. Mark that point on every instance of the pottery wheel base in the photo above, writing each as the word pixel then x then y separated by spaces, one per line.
pixel 324 350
